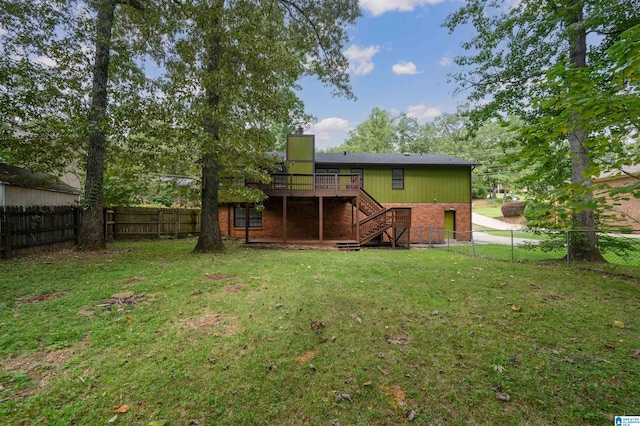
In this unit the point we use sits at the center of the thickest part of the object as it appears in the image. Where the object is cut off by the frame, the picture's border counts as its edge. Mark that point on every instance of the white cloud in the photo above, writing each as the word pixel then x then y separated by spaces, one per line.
pixel 405 68
pixel 360 59
pixel 378 7
pixel 46 61
pixel 446 61
pixel 324 129
pixel 423 112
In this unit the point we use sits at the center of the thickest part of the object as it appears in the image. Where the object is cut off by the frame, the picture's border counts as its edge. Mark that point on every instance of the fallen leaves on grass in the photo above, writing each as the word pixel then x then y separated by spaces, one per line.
pixel 343 397
pixel 498 368
pixel 516 308
pixel 121 409
pixel 502 396
pixel 316 325
pixel 618 324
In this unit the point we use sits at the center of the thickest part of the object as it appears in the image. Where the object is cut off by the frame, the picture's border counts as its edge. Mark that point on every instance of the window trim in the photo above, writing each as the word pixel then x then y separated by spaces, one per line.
pixel 254 214
pixel 397 180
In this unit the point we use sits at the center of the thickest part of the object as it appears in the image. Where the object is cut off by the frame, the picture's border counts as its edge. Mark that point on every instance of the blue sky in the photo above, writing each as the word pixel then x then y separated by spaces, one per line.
pixel 399 57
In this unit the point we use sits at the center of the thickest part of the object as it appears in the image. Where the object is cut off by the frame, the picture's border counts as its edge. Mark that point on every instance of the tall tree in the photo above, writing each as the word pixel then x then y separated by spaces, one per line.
pixel 376 134
pixel 231 61
pixel 527 57
pixel 92 230
pixel 63 91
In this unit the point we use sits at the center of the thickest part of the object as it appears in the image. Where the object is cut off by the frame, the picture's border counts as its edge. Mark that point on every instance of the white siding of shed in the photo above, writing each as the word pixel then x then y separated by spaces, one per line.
pixel 20 196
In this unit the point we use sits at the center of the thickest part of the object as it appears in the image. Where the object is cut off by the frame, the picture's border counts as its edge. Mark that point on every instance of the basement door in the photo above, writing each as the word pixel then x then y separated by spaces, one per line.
pixel 450 225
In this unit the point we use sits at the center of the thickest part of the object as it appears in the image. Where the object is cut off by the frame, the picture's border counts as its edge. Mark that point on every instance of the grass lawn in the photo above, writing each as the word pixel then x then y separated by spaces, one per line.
pixel 264 336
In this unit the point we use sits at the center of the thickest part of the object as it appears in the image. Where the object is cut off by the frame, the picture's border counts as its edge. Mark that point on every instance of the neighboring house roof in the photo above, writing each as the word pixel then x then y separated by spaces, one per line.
pixel 633 170
pixel 17 176
pixel 365 158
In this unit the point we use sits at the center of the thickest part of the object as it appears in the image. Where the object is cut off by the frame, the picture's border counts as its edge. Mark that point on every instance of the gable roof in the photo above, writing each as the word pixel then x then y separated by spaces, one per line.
pixel 17 176
pixel 406 159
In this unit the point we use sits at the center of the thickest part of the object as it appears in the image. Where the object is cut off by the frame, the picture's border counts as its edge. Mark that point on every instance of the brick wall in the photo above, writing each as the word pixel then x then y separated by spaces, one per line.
pixel 302 220
pixel 626 212
pixel 427 218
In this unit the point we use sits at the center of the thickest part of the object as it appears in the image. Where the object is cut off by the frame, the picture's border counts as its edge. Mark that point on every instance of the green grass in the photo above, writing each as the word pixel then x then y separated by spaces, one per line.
pixel 227 339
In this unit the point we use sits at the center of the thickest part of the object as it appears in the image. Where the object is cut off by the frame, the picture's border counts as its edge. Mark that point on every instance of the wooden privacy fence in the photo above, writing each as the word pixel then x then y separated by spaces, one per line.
pixel 142 222
pixel 35 228
pixel 24 228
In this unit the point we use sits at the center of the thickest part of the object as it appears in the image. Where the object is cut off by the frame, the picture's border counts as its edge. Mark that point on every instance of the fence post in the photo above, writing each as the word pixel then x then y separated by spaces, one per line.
pixel 177 214
pixel 158 221
pixel 473 244
pixel 568 249
pixel 76 222
pixel 513 255
pixel 7 234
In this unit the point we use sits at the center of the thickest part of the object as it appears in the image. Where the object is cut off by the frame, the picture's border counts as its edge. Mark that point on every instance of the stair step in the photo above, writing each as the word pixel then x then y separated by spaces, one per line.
pixel 348 246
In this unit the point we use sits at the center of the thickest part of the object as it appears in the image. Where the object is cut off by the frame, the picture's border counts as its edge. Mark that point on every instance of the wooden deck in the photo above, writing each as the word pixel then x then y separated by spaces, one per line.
pixel 314 185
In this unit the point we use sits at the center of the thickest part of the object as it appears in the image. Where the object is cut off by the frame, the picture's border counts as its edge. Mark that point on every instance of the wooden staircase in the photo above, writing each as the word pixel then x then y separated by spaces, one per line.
pixel 379 220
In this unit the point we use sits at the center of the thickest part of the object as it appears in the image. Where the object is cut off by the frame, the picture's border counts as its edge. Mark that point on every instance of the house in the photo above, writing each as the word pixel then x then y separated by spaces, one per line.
pixel 625 209
pixel 357 198
pixel 21 187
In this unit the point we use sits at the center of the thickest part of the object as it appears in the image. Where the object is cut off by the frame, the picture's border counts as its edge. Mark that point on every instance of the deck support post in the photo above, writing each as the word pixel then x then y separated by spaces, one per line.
pixel 320 219
pixel 284 218
pixel 246 223
pixel 358 218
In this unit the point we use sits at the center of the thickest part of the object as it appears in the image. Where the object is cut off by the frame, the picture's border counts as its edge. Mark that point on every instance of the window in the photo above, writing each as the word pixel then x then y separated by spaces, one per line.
pixel 397 179
pixel 255 217
pixel 328 171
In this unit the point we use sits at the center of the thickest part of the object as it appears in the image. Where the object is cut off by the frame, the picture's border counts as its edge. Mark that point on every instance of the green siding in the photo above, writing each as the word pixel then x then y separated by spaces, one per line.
pixel 422 184
pixel 300 154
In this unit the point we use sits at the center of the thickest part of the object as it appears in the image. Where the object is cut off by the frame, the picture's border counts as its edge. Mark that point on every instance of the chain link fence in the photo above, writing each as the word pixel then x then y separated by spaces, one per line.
pixel 573 248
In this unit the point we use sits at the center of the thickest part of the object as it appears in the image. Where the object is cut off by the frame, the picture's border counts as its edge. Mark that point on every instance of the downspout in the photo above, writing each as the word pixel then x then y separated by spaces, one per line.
pixel 2 196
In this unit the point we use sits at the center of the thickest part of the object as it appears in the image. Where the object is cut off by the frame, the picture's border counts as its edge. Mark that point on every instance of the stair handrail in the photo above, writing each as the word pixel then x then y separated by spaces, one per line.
pixel 367 199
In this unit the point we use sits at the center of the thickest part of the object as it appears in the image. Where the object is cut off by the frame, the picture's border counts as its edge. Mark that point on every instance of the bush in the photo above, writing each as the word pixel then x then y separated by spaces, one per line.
pixel 512 209
pixel 479 192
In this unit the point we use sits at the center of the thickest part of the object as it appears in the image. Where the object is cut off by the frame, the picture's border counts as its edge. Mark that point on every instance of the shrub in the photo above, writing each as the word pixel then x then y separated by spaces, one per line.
pixel 512 209
pixel 479 192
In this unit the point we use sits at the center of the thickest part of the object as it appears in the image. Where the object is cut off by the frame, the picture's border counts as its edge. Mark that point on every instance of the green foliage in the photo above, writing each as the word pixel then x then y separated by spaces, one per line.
pixel 579 118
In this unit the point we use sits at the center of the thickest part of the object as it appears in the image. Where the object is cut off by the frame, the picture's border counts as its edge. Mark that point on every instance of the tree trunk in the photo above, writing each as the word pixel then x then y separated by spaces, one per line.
pixel 92 229
pixel 210 239
pixel 585 245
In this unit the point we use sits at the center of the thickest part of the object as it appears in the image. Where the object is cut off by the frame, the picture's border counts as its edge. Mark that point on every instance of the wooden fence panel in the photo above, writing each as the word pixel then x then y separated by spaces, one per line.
pixel 142 222
pixel 38 226
pixel 32 229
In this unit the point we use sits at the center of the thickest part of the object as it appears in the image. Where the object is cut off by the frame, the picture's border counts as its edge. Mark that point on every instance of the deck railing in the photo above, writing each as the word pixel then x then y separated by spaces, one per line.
pixel 377 223
pixel 338 184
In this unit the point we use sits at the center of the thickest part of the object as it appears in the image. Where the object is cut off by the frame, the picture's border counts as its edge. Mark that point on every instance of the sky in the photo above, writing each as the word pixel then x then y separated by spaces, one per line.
pixel 400 57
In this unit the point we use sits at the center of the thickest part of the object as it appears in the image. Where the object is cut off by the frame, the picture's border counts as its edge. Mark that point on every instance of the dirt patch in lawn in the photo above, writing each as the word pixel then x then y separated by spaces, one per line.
pixel 133 280
pixel 40 366
pixel 396 395
pixel 217 277
pixel 233 288
pixel 306 357
pixel 211 322
pixel 40 298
